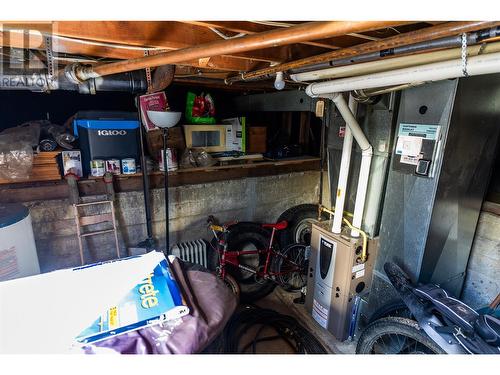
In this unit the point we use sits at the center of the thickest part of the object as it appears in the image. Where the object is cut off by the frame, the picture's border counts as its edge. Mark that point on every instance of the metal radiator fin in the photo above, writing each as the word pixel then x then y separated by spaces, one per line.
pixel 192 251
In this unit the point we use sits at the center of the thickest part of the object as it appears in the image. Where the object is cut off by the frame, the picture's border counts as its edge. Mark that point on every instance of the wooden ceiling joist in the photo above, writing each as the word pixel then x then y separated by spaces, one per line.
pixel 67 46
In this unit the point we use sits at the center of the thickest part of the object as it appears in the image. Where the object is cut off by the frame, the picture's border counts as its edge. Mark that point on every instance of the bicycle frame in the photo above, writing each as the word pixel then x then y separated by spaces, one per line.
pixel 229 257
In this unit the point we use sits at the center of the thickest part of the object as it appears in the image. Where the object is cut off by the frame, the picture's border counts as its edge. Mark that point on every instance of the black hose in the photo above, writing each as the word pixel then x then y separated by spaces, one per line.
pixel 287 328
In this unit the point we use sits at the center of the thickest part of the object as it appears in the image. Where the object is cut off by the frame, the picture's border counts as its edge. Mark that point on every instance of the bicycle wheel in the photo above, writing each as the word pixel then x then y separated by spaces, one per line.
pixel 289 277
pixel 395 335
pixel 249 236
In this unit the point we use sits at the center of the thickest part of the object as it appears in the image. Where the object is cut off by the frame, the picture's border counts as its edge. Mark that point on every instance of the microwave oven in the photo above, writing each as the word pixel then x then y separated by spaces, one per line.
pixel 215 138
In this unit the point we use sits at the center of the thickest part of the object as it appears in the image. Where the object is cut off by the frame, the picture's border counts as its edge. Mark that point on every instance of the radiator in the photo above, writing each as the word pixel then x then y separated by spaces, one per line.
pixel 192 251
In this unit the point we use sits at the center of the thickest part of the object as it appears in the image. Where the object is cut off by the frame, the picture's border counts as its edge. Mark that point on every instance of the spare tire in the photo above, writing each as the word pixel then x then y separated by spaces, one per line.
pixel 300 219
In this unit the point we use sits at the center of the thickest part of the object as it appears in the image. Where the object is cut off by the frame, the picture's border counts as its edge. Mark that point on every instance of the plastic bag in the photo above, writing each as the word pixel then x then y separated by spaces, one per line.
pixel 192 158
pixel 29 132
pixel 16 157
pixel 200 109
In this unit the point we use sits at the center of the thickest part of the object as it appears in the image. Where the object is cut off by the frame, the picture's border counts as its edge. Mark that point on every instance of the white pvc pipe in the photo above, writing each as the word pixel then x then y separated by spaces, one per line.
pixel 366 158
pixel 393 63
pixel 343 173
pixel 477 65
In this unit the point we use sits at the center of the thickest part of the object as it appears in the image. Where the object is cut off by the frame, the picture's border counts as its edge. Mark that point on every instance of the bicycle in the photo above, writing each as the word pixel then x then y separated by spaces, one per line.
pixel 437 323
pixel 246 252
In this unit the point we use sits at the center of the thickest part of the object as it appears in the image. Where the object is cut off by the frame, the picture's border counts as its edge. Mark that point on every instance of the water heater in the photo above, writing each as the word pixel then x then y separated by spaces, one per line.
pixel 18 257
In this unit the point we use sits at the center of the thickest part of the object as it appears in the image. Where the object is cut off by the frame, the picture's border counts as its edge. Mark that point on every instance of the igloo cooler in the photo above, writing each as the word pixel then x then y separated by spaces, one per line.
pixel 107 135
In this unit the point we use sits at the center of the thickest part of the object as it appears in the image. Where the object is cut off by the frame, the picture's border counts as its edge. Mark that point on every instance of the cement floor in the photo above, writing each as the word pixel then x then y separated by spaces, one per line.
pixel 282 302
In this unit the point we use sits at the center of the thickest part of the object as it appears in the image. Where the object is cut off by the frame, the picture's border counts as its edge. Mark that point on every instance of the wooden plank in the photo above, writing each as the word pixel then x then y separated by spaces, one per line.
pixel 97 232
pixel 249 28
pixel 161 34
pixel 73 47
pixel 95 219
pixel 59 190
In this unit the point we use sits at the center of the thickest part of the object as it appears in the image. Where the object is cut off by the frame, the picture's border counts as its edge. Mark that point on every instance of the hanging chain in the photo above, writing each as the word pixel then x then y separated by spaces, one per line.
pixel 49 56
pixel 464 55
pixel 148 72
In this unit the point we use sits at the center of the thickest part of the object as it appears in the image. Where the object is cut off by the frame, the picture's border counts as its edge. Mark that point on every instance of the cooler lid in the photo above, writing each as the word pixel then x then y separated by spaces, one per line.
pixel 102 120
pixel 11 213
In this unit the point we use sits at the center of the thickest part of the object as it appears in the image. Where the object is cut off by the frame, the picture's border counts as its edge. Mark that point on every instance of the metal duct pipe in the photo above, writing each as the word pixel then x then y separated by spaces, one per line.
pixel 431 33
pixel 393 63
pixel 472 38
pixel 477 65
pixel 273 38
pixel 133 82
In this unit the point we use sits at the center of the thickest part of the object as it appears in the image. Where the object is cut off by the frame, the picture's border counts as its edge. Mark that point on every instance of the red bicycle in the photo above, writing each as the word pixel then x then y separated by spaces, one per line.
pixel 248 253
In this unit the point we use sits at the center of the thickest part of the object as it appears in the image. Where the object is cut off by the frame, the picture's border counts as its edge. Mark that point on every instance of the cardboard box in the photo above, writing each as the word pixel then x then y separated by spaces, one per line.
pixel 257 139
pixel 72 162
pixel 235 134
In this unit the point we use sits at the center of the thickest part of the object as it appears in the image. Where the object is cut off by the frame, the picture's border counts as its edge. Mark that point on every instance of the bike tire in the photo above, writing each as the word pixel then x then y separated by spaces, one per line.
pixel 299 218
pixel 292 281
pixel 403 329
pixel 242 235
pixel 394 308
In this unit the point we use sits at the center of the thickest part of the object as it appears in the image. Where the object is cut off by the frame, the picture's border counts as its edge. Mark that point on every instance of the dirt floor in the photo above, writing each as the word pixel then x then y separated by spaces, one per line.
pixel 282 302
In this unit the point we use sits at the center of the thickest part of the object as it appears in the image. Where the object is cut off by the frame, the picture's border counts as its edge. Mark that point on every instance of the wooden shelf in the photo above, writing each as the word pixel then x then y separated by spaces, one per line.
pixel 32 191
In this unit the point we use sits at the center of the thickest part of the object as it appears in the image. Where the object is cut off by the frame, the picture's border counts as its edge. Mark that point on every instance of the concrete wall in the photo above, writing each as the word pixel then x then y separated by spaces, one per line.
pixel 257 199
pixel 482 283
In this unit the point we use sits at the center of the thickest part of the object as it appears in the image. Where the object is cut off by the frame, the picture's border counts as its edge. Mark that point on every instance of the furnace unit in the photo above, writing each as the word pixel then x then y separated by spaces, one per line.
pixel 445 142
pixel 336 278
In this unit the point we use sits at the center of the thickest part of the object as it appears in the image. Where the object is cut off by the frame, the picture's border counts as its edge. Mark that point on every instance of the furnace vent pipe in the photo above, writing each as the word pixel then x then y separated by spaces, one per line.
pixel 364 173
pixel 476 65
pixel 344 172
pixel 366 159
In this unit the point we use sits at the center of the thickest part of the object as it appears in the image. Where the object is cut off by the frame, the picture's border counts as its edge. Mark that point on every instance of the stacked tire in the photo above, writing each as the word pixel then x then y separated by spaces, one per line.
pixel 300 219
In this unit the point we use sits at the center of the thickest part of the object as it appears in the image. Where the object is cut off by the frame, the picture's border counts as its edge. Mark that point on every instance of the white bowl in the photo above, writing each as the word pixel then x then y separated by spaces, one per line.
pixel 164 119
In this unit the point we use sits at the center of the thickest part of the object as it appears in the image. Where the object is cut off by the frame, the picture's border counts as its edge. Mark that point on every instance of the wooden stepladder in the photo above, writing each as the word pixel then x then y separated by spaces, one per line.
pixel 82 221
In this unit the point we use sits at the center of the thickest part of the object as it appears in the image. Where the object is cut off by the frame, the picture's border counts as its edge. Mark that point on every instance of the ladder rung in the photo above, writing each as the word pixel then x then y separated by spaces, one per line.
pixel 96 232
pixel 95 219
pixel 92 203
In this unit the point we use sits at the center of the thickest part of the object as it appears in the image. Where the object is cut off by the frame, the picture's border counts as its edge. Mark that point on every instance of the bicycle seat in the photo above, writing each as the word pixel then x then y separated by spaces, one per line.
pixel 488 328
pixel 278 226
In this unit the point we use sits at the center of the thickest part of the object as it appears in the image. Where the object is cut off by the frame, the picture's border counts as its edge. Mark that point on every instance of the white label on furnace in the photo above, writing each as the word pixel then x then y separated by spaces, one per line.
pixel 360 274
pixel 320 314
pixel 409 145
pixel 412 160
pixel 358 267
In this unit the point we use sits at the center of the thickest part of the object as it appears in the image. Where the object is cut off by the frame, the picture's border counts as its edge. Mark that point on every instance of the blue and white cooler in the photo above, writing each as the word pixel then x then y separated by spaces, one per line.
pixel 107 135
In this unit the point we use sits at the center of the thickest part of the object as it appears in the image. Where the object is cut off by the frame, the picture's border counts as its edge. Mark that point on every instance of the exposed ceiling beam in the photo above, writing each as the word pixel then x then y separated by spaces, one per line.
pixel 167 35
pixel 68 46
pixel 248 28
pixel 269 39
